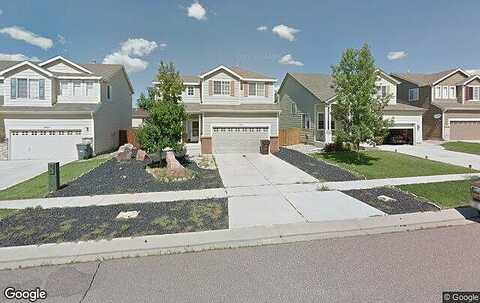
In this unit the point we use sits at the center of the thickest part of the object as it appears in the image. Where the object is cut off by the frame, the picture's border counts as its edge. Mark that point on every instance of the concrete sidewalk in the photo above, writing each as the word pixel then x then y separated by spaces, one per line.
pixel 63 253
pixel 364 184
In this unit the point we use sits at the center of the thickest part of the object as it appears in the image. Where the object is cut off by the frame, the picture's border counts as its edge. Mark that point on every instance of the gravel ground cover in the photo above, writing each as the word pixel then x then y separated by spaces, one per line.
pixel 405 202
pixel 53 225
pixel 120 177
pixel 316 168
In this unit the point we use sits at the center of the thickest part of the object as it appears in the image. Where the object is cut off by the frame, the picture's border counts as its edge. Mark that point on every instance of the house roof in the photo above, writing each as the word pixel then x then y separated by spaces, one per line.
pixel 403 107
pixel 139 113
pixel 425 79
pixel 320 85
pixel 452 105
pixel 468 80
pixel 190 79
pixel 241 73
pixel 58 108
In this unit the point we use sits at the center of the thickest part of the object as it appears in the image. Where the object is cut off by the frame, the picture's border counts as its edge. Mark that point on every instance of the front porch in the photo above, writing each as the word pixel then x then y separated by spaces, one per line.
pixel 325 125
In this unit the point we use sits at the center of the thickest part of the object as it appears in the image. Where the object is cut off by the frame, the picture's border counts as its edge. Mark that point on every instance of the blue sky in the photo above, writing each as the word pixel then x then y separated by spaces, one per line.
pixel 428 36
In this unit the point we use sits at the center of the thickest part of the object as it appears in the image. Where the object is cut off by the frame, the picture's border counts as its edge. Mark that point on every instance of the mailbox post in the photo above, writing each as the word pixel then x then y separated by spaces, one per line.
pixel 53 176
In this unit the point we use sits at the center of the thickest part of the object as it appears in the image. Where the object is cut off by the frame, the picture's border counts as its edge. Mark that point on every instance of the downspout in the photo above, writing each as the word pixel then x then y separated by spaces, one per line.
pixel 92 116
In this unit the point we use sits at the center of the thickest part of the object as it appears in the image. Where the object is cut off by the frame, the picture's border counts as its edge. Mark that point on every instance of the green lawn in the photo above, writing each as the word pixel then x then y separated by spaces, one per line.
pixel 444 194
pixel 37 187
pixel 6 212
pixel 376 164
pixel 464 147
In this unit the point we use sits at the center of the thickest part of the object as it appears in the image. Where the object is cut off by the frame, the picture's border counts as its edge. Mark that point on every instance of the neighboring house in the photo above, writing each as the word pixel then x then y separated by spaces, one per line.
pixel 306 102
pixel 46 108
pixel 451 99
pixel 230 110
pixel 138 116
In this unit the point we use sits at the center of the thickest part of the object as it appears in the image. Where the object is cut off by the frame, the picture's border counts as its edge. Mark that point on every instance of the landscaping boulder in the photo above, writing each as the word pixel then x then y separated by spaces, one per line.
pixel 142 155
pixel 126 152
pixel 174 168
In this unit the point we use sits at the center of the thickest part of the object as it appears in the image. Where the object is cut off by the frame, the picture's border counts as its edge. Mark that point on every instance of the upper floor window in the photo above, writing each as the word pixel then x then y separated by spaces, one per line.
pixel 27 89
pixel 221 87
pixel 294 108
pixel 413 94
pixel 445 92
pixel 89 88
pixel 382 91
pixel 256 89
pixel 109 92
pixel 76 88
pixel 190 91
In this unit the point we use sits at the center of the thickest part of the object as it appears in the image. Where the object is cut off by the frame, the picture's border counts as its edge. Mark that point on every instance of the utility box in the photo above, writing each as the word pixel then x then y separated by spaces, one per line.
pixel 476 195
pixel 264 147
pixel 53 176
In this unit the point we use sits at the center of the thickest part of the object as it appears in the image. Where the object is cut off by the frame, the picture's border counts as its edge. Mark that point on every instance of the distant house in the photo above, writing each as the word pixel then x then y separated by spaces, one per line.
pixel 451 100
pixel 47 107
pixel 230 110
pixel 306 102
pixel 138 116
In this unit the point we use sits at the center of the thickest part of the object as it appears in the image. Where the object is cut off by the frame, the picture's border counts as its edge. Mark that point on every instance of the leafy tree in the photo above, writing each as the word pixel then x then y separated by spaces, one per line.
pixel 165 125
pixel 357 106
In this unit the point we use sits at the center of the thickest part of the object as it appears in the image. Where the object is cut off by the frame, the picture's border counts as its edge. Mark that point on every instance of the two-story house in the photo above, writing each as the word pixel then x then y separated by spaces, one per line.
pixel 46 108
pixel 230 110
pixel 451 100
pixel 306 102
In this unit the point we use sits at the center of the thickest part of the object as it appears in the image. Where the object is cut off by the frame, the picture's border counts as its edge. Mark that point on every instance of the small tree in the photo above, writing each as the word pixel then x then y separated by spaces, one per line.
pixel 357 106
pixel 165 125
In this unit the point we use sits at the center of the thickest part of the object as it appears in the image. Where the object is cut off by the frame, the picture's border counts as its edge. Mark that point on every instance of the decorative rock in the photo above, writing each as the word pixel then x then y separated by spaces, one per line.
pixel 142 155
pixel 128 214
pixel 174 168
pixel 124 155
pixel 386 199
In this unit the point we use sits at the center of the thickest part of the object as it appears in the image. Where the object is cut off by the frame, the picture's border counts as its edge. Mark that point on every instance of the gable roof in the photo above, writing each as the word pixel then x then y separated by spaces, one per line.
pixel 320 85
pixel 28 63
pixel 190 79
pixel 469 79
pixel 66 61
pixel 240 73
pixel 428 79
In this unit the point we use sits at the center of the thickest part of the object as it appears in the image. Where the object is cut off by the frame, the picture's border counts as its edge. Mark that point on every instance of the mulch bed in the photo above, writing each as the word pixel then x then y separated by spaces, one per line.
pixel 40 226
pixel 121 177
pixel 406 202
pixel 317 168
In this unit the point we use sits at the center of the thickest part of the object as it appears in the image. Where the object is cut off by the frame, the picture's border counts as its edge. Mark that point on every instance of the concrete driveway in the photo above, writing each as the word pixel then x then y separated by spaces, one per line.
pixel 265 190
pixel 437 153
pixel 16 171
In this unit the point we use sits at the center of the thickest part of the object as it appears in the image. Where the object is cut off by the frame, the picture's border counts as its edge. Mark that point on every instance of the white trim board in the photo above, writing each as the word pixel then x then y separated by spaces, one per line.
pixel 67 61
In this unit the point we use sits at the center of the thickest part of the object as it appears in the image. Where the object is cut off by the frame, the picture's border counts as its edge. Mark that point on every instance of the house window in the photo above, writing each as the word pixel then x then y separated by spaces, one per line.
pixel 89 88
pixel 453 92
pixel 22 85
pixel 64 88
pixel 221 87
pixel 438 92
pixel 77 88
pixel 109 92
pixel 413 94
pixel 33 89
pixel 320 120
pixel 294 108
pixel 476 93
pixel 382 91
pixel 190 91
pixel 256 89
pixel 306 121
pixel 260 89
pixel 445 92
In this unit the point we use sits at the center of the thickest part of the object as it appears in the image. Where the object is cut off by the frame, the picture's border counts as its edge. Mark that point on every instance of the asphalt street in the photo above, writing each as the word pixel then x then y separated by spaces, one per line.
pixel 399 267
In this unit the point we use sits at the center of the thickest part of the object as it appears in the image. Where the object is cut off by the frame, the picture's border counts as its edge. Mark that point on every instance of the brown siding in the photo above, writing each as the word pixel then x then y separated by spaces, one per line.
pixel 431 127
pixel 206 145
pixel 453 79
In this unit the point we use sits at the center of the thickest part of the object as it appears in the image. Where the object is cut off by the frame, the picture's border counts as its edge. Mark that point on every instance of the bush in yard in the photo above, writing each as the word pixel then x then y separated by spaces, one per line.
pixel 358 108
pixel 165 125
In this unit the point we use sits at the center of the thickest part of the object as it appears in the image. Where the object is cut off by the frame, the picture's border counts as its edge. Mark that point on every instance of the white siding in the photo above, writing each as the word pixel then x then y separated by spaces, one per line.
pixel 191 99
pixel 85 125
pixel 1 87
pixel 60 67
pixel 95 98
pixel 391 89
pixel 30 74
pixel 408 121
pixel 231 119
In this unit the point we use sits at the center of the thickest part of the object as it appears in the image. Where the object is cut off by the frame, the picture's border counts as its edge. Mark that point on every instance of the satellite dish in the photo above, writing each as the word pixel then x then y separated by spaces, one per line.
pixel 437 116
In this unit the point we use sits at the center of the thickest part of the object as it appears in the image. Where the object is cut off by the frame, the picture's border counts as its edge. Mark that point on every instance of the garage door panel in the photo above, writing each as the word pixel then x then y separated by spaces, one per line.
pixel 465 130
pixel 44 144
pixel 238 139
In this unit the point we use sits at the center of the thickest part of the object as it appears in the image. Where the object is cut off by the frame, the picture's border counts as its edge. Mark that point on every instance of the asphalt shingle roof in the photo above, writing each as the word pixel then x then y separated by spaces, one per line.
pixel 57 108
pixel 423 79
pixel 320 85
pixel 190 78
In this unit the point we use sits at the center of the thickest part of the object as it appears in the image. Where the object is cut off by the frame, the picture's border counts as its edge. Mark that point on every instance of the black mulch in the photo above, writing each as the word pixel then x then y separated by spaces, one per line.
pixel 406 202
pixel 317 168
pixel 40 226
pixel 120 177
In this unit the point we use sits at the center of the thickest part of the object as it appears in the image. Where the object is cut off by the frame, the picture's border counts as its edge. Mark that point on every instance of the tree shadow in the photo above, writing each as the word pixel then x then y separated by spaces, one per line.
pixel 352 158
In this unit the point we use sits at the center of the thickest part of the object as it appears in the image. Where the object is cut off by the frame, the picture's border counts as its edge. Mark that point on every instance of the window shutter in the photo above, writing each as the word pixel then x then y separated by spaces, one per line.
pixel 41 89
pixel 245 89
pixel 266 90
pixel 232 88
pixel 468 93
pixel 13 88
pixel 210 87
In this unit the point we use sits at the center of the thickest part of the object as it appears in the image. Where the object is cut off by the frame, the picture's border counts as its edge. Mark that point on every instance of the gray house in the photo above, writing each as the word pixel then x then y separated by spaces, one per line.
pixel 306 102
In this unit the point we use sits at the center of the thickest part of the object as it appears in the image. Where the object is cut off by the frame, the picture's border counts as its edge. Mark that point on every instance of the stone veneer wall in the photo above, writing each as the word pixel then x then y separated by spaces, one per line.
pixel 4 150
pixel 206 143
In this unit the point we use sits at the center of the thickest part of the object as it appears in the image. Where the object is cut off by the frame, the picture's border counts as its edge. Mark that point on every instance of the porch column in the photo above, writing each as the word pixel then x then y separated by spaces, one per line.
pixel 328 131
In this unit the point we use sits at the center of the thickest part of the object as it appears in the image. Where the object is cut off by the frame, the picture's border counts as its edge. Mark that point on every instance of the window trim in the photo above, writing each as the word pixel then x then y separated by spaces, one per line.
pixel 15 89
pixel 415 96
pixel 318 121
pixel 109 92
pixel 454 95
pixel 223 85
pixel 293 108
pixel 304 121
pixel 475 87
pixel 190 87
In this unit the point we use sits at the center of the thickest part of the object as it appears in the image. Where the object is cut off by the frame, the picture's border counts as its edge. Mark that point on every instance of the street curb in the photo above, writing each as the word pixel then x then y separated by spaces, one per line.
pixel 70 252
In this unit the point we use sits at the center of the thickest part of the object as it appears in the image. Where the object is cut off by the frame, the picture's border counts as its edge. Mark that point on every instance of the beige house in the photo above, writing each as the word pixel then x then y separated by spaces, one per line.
pixel 230 110
pixel 48 107
pixel 307 100
pixel 451 100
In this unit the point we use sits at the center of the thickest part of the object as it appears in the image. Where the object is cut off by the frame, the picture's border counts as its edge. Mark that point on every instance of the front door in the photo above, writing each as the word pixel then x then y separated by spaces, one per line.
pixel 194 130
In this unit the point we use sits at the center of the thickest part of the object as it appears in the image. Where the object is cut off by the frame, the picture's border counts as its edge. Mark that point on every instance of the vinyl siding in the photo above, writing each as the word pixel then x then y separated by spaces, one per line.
pixel 27 72
pixel 61 67
pixel 69 98
pixel 233 119
pixel 458 115
pixel 451 81
pixel 191 99
pixel 391 89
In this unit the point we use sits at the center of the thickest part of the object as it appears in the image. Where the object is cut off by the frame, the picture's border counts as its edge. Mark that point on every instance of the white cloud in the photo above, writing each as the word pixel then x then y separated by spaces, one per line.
pixel 138 47
pixel 197 11
pixel 285 32
pixel 132 65
pixel 17 57
pixel 473 71
pixel 397 55
pixel 262 28
pixel 288 60
pixel 61 39
pixel 133 47
pixel 19 33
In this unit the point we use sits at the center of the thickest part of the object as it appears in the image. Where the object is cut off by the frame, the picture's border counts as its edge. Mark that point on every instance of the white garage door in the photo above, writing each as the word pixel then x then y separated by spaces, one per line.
pixel 240 139
pixel 44 144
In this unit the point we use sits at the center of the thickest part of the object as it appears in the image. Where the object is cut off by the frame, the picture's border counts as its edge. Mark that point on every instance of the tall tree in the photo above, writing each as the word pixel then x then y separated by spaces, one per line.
pixel 165 125
pixel 358 107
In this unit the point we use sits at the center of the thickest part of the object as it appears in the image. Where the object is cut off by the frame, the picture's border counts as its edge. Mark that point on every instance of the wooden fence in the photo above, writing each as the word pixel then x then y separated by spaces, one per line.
pixel 289 136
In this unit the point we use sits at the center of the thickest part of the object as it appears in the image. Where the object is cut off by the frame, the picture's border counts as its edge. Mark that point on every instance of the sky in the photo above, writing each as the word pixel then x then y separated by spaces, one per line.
pixel 269 37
